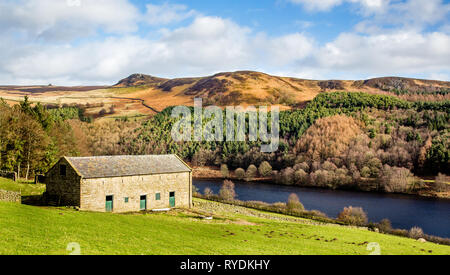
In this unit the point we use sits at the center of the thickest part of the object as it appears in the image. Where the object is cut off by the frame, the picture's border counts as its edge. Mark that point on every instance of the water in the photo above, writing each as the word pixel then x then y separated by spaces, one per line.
pixel 405 212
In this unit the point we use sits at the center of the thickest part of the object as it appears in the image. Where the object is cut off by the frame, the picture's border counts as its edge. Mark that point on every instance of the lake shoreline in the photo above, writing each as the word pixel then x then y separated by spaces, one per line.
pixel 214 174
pixel 403 210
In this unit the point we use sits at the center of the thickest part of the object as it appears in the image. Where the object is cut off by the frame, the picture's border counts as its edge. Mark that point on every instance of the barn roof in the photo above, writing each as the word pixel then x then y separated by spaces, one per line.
pixel 121 166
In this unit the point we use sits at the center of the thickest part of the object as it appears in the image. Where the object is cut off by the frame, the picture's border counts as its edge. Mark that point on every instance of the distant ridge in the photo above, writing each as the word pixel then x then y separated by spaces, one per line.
pixel 256 87
pixel 145 94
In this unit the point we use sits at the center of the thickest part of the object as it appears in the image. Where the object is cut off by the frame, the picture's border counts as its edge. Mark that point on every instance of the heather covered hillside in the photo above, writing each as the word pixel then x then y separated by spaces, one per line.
pixel 141 95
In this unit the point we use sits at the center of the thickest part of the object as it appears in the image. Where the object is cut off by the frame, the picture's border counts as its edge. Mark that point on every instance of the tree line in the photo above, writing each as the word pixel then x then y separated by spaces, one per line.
pixel 33 138
pixel 381 133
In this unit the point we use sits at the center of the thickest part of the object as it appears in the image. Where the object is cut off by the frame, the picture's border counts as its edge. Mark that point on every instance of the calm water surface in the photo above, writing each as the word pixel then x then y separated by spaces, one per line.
pixel 405 212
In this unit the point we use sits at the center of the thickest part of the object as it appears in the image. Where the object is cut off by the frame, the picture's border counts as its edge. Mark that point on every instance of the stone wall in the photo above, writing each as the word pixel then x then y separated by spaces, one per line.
pixel 10 196
pixel 94 192
pixel 64 190
pixel 8 175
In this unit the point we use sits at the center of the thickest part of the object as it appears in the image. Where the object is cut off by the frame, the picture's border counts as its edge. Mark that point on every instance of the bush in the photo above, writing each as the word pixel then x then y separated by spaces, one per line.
pixel 294 204
pixel 240 173
pixel 303 166
pixel 203 157
pixel 442 183
pixel 195 190
pixel 265 170
pixel 396 180
pixel 385 225
pixel 353 216
pixel 287 176
pixel 208 192
pixel 416 233
pixel 252 172
pixel 256 204
pixel 224 170
pixel 321 178
pixel 365 172
pixel 279 205
pixel 301 177
pixel 227 191
pixel 329 166
pixel 317 213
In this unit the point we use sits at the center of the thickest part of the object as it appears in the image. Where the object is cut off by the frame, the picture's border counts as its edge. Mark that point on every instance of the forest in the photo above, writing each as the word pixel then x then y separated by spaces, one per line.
pixel 33 138
pixel 338 140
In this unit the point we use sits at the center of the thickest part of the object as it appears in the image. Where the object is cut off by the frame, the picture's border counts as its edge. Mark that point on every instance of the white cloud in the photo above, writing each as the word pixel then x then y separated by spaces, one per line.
pixel 60 20
pixel 320 5
pixel 418 12
pixel 208 45
pixel 397 53
pixel 326 5
pixel 412 13
pixel 167 13
pixel 285 50
pixel 368 7
pixel 203 46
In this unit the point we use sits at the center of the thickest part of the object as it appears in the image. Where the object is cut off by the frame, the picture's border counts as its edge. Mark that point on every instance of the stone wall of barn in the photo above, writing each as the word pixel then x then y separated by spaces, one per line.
pixel 95 191
pixel 64 190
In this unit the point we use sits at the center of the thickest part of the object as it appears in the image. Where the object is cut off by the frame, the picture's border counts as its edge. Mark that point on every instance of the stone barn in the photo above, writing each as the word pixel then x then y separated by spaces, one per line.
pixel 121 183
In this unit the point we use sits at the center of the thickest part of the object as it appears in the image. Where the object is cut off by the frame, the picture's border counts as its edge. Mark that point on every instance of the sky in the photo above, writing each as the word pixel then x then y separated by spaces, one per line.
pixel 99 42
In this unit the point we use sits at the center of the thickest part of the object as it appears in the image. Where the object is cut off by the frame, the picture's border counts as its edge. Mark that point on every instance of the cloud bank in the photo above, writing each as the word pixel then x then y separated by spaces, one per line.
pixel 101 41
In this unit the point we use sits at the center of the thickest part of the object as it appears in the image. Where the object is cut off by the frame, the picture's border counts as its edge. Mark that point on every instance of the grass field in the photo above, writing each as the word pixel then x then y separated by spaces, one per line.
pixel 25 188
pixel 34 230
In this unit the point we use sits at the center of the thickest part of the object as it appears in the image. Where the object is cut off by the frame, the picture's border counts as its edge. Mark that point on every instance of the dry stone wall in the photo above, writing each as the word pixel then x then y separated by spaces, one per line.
pixel 10 196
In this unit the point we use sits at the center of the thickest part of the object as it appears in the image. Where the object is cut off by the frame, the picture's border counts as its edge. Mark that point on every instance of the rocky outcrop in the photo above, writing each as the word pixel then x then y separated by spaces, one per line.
pixel 139 80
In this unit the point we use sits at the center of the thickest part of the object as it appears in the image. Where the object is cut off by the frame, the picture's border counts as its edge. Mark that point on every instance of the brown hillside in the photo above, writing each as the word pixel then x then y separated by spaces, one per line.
pixel 406 84
pixel 141 94
pixel 252 88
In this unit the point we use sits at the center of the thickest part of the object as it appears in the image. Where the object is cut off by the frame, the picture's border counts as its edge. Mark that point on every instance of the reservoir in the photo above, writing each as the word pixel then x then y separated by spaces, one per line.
pixel 405 212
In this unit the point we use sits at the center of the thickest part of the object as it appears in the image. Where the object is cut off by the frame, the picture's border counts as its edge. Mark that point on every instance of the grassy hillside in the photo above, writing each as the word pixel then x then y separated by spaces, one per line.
pixel 32 230
pixel 25 188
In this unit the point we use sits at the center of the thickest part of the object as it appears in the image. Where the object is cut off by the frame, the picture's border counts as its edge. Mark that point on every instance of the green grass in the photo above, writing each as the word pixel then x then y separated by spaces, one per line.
pixel 34 230
pixel 26 188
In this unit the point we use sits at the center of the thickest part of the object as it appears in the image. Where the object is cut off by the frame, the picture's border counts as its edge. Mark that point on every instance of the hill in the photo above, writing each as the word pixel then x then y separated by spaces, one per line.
pixel 31 230
pixel 141 94
pixel 248 87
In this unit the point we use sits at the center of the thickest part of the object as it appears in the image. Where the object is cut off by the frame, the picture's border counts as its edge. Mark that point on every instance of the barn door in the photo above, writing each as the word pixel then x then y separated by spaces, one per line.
pixel 109 204
pixel 143 203
pixel 172 199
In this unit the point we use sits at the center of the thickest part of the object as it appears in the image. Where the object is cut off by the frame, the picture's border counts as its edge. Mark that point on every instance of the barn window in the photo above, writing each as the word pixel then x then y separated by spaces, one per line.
pixel 62 170
pixel 158 196
pixel 126 200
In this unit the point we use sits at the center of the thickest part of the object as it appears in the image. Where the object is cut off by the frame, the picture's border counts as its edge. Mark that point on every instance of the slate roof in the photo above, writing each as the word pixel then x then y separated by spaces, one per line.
pixel 121 166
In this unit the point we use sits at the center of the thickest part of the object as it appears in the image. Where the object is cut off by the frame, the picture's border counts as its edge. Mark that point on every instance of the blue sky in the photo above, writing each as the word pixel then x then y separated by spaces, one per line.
pixel 83 42
pixel 274 17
